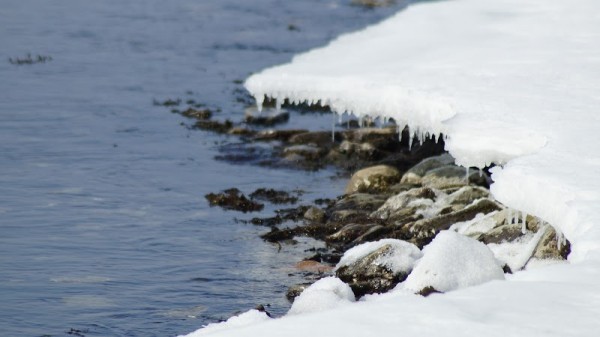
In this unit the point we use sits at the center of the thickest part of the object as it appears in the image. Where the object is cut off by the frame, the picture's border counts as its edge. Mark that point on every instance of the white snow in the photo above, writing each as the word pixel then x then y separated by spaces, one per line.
pixel 247 318
pixel 512 82
pixel 402 257
pixel 453 261
pixel 326 293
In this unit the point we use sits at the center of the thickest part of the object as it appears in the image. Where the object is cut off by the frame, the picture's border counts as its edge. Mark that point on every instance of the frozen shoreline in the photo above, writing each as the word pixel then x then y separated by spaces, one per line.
pixel 510 83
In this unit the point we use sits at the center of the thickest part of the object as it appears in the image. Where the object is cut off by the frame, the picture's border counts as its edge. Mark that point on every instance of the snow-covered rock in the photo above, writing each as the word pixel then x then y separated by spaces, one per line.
pixel 326 293
pixel 453 261
pixel 375 267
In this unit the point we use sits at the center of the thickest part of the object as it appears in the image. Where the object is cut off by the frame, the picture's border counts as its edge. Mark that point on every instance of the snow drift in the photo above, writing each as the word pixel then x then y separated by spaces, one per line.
pixel 511 82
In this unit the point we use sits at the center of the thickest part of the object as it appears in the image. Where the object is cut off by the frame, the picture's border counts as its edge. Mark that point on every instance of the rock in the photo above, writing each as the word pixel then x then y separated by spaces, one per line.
pixel 326 293
pixel 273 196
pixel 414 175
pixel 428 228
pixel 349 232
pixel 376 267
pixel 504 233
pixel 428 291
pixel 309 152
pixel 318 138
pixel 372 3
pixel 197 113
pixel 452 261
pixel 239 131
pixel 359 202
pixel 375 138
pixel 281 135
pixel 313 266
pixel 467 194
pixel 215 126
pixel 233 199
pixel 374 233
pixel 266 117
pixel 362 150
pixel 552 247
pixel 314 214
pixel 295 291
pixel 373 179
pixel 400 201
pixel 452 176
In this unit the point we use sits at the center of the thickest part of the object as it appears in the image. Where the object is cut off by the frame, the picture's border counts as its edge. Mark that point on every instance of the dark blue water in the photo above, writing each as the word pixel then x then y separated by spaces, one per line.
pixel 103 223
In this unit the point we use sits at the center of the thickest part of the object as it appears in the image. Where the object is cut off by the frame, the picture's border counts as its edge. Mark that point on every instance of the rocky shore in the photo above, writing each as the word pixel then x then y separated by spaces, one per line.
pixel 384 230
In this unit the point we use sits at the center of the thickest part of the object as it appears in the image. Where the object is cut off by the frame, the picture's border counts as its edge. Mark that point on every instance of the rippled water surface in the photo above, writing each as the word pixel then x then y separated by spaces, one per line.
pixel 103 224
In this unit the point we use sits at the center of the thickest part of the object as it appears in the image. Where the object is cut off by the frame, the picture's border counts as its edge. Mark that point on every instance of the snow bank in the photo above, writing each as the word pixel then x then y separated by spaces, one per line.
pixel 402 258
pixel 508 81
pixel 326 293
pixel 453 261
pixel 247 318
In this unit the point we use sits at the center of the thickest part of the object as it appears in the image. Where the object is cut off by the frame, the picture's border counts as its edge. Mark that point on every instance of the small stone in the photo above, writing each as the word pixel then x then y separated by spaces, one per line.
pixel 349 232
pixel 310 152
pixel 467 194
pixel 197 113
pixel 281 135
pixel 266 117
pixel 295 291
pixel 319 138
pixel 314 214
pixel 504 233
pixel 233 199
pixel 373 179
pixel 551 247
pixel 414 174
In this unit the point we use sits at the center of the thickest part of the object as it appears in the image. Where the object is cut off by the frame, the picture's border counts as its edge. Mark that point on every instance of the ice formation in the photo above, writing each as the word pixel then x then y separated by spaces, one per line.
pixel 510 82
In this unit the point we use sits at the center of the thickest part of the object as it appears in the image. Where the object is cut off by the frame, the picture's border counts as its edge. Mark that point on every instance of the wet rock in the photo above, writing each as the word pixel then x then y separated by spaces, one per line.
pixel 415 174
pixel 451 177
pixel 504 233
pixel 313 267
pixel 374 233
pixel 295 290
pixel 197 113
pixel 428 291
pixel 467 194
pixel 215 126
pixel 314 214
pixel 281 135
pixel 167 102
pixel 364 151
pixel 349 232
pixel 308 152
pixel 233 199
pixel 362 202
pixel 379 270
pixel 277 235
pixel 551 246
pixel 269 222
pixel 372 3
pixel 239 131
pixel 292 214
pixel 425 229
pixel 373 179
pixel 318 138
pixel 273 196
pixel 385 139
pixel 267 117
pixel 399 203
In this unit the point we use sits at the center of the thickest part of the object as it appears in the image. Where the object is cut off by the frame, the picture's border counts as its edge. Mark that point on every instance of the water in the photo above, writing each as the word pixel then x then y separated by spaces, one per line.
pixel 103 223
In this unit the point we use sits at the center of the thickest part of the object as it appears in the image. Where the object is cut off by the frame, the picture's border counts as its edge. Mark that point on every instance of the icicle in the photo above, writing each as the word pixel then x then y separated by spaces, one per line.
pixel 509 216
pixel 333 127
pixel 278 104
pixel 480 172
pixel 467 175
pixel 259 102
pixel 410 140
pixel 524 223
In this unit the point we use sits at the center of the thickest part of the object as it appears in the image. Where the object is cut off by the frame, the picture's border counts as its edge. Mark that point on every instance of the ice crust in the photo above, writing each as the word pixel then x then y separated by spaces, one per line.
pixel 511 82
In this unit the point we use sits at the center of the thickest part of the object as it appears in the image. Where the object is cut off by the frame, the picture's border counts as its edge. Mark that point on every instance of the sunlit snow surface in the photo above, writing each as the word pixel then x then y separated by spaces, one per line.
pixel 512 82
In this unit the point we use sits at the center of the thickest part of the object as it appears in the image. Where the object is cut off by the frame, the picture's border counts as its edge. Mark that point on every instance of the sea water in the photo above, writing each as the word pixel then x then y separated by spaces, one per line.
pixel 104 230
